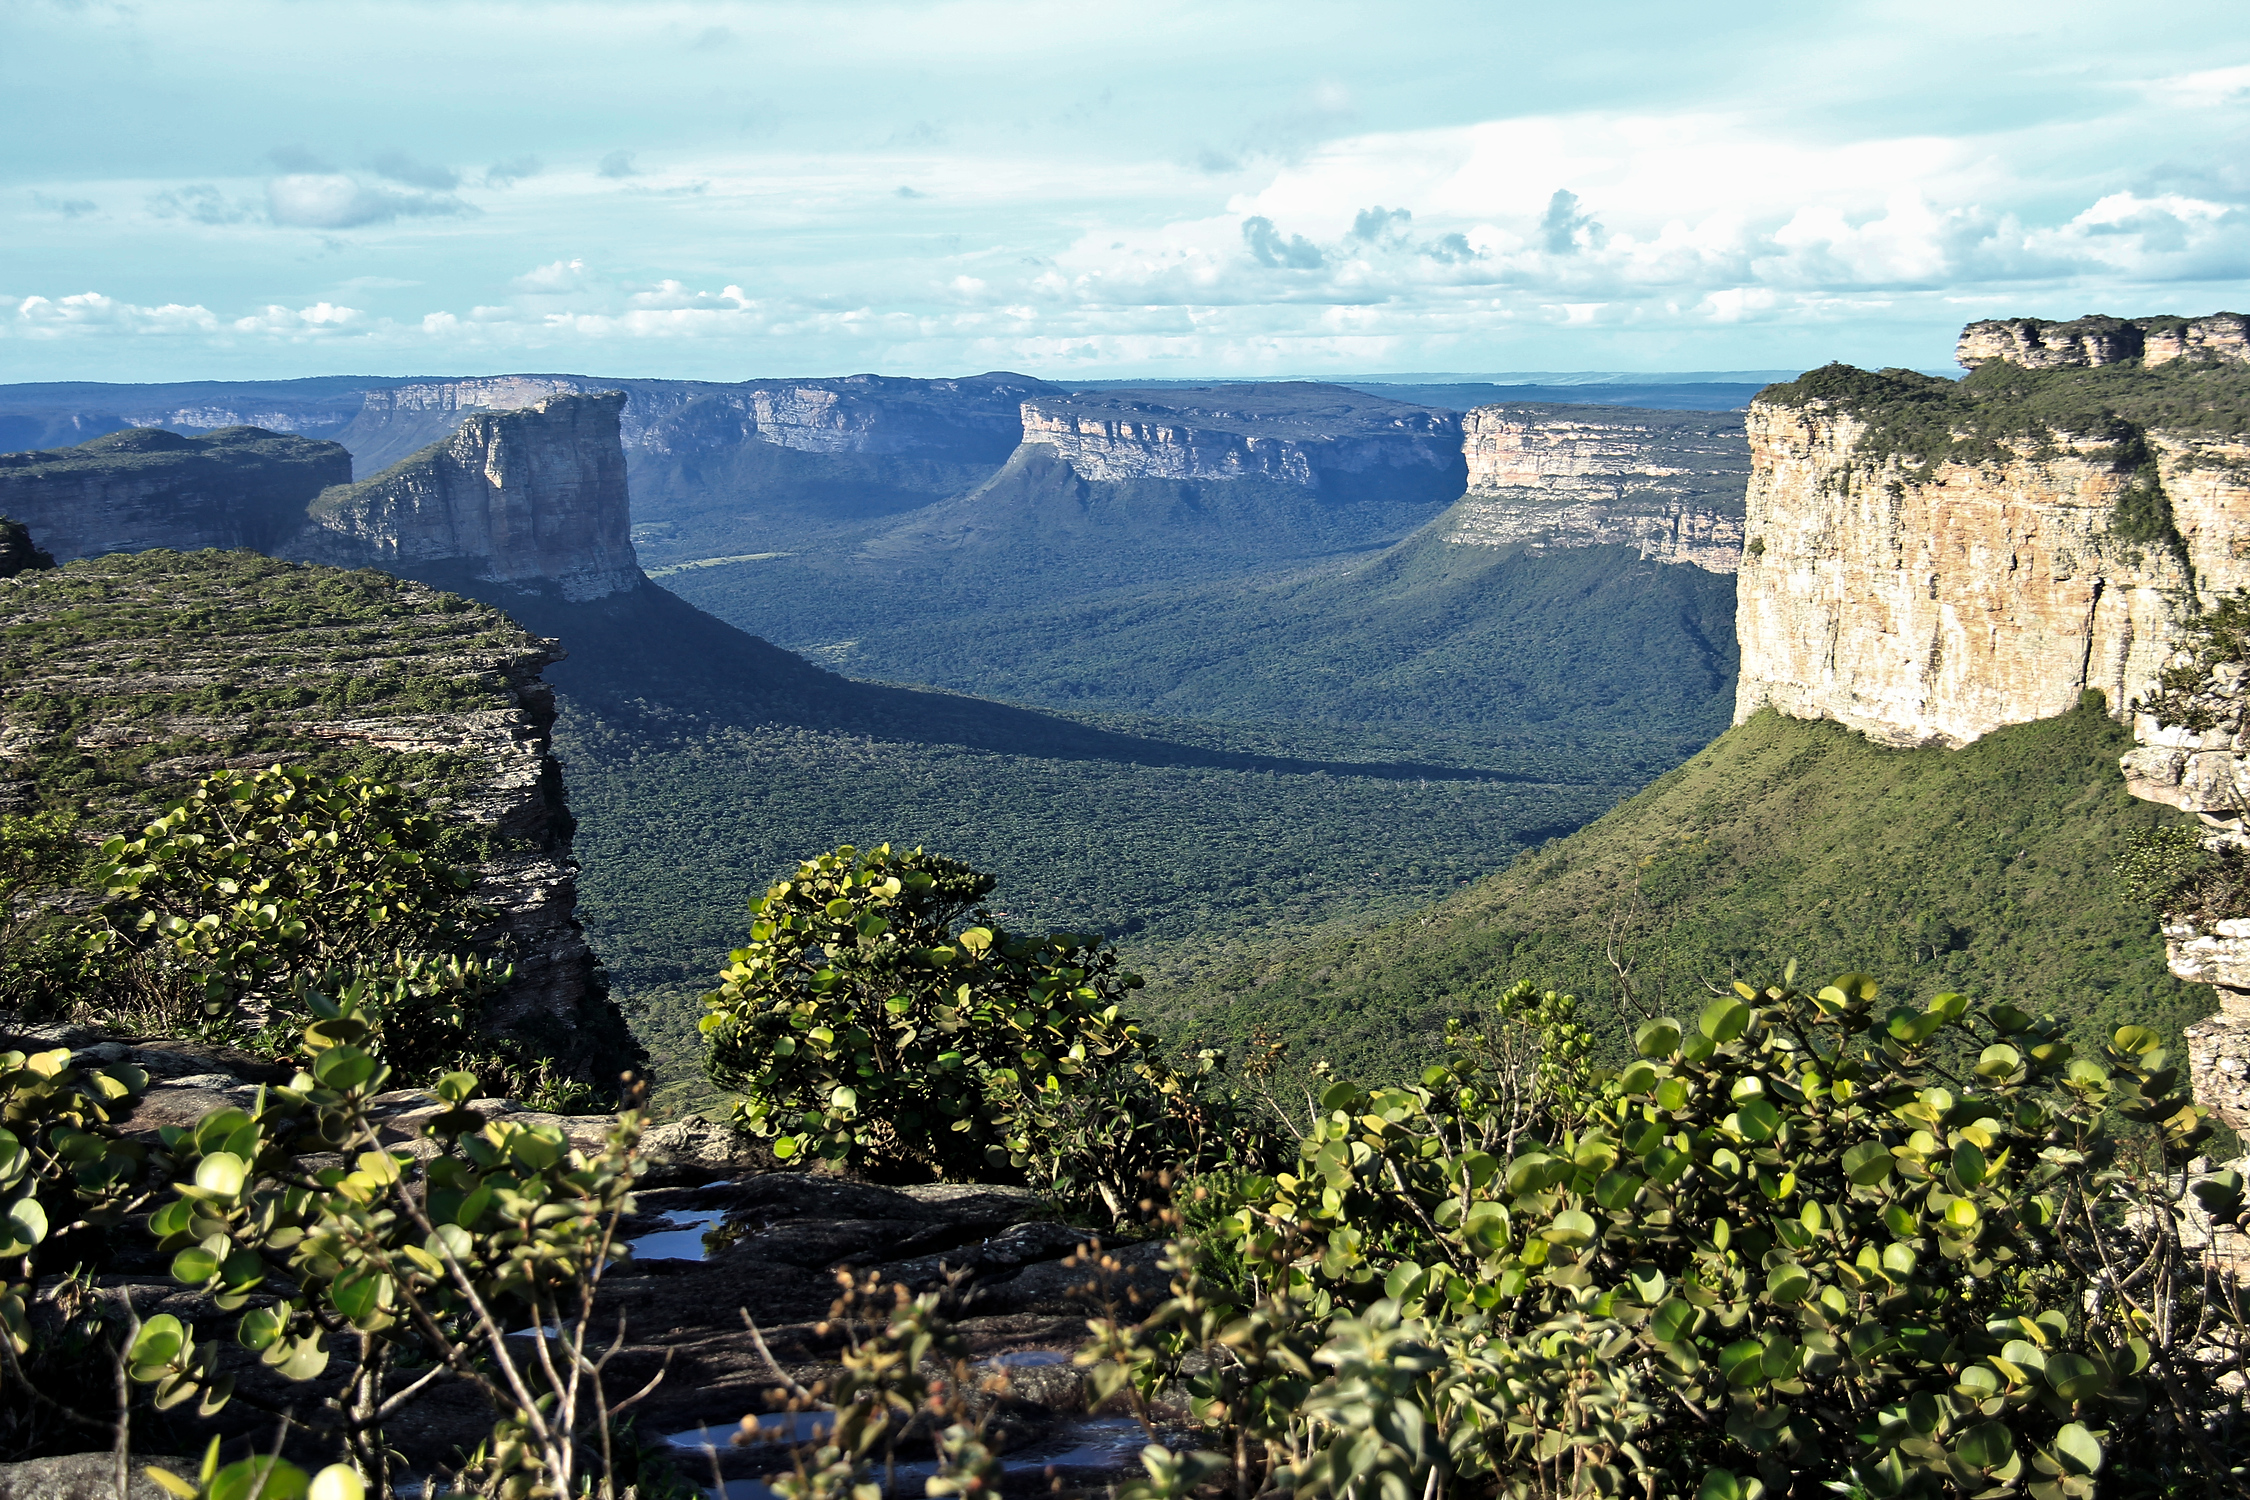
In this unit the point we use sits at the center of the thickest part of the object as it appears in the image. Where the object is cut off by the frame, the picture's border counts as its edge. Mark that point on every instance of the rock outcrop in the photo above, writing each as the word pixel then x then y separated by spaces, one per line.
pixel 1314 437
pixel 532 499
pixel 2090 342
pixel 130 673
pixel 18 552
pixel 1927 598
pixel 1669 484
pixel 133 490
pixel 1927 562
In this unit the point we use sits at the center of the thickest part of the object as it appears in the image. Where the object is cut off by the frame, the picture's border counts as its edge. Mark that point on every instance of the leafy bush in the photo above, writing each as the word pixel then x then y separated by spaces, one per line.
pixel 1806 1240
pixel 864 1027
pixel 257 878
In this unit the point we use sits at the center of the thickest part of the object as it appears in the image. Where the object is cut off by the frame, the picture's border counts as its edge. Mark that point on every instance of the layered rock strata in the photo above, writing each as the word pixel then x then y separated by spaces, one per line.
pixel 2091 342
pixel 1927 563
pixel 133 490
pixel 1312 437
pixel 532 499
pixel 128 674
pixel 1667 484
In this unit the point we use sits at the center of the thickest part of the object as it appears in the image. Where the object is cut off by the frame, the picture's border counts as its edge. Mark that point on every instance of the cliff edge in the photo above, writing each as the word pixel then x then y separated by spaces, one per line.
pixel 1540 477
pixel 1928 560
pixel 532 500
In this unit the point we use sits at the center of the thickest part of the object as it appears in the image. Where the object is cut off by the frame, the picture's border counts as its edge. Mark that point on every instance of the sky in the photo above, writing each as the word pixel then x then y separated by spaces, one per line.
pixel 275 188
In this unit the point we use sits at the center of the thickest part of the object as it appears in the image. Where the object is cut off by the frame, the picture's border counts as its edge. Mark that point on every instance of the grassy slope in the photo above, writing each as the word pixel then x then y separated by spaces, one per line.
pixel 1984 869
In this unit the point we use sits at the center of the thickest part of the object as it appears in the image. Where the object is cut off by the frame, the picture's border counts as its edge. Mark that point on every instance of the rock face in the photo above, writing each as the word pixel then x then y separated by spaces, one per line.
pixel 1929 604
pixel 1927 563
pixel 2090 342
pixel 1669 484
pixel 18 552
pixel 533 499
pixel 1314 437
pixel 132 490
pixel 233 659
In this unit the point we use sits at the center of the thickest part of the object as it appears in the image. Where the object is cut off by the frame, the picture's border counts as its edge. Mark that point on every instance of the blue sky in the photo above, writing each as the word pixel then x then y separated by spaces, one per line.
pixel 290 187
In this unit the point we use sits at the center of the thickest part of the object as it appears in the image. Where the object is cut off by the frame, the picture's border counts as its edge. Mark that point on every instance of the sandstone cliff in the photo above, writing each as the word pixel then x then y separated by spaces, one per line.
pixel 132 490
pixel 129 674
pixel 528 500
pixel 1313 437
pixel 1926 562
pixel 1669 484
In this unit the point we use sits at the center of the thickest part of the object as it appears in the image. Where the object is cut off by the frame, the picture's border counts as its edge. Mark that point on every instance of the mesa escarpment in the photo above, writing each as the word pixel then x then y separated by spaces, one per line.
pixel 1669 484
pixel 133 490
pixel 1926 561
pixel 531 500
pixel 1929 561
pixel 131 674
pixel 1314 437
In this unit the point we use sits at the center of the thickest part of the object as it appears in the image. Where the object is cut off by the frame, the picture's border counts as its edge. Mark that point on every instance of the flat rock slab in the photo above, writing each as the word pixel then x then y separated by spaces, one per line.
pixel 85 1476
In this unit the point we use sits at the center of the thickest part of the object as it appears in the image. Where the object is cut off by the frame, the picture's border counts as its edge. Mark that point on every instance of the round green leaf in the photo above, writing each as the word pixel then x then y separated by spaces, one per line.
pixel 1788 1284
pixel 1657 1038
pixel 25 1224
pixel 2074 1377
pixel 161 1339
pixel 1718 1484
pixel 194 1266
pixel 1867 1163
pixel 1638 1078
pixel 1724 1019
pixel 1744 1362
pixel 1988 1445
pixel 337 1482
pixel 222 1172
pixel 266 1477
pixel 1571 1228
pixel 1672 1321
pixel 2079 1450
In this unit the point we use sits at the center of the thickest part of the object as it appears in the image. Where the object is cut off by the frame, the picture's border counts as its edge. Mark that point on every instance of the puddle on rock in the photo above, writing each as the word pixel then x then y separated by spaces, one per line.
pixel 773 1427
pixel 688 1243
pixel 1028 1359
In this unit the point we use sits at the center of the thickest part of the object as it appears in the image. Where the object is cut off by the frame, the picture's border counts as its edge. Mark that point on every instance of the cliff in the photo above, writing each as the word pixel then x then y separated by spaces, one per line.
pixel 1324 438
pixel 126 675
pixel 132 490
pixel 1927 561
pixel 528 500
pixel 1669 484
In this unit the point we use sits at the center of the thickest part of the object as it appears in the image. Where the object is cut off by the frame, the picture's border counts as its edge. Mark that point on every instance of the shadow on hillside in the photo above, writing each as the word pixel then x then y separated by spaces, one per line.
pixel 651 659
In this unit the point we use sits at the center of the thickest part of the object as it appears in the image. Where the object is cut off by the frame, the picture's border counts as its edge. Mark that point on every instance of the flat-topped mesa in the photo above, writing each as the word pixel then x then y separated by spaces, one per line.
pixel 974 418
pixel 1310 436
pixel 1928 560
pixel 1669 484
pixel 132 490
pixel 2097 340
pixel 533 500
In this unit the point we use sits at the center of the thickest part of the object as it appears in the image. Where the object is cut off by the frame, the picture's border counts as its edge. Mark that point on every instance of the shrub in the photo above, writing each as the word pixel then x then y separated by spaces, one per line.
pixel 863 1026
pixel 1806 1241
pixel 255 879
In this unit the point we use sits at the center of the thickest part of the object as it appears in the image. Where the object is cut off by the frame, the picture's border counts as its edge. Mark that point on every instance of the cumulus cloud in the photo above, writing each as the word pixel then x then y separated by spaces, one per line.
pixel 93 313
pixel 336 201
pixel 320 318
pixel 400 167
pixel 554 278
pixel 506 174
pixel 1563 230
pixel 617 164
pixel 1271 248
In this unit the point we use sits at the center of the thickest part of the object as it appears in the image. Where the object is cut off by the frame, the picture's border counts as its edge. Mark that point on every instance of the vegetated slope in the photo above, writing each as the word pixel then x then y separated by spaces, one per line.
pixel 1460 650
pixel 1984 869
pixel 703 763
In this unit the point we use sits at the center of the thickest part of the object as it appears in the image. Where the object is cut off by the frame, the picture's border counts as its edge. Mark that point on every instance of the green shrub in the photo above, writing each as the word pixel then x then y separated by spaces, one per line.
pixel 1807 1240
pixel 863 1025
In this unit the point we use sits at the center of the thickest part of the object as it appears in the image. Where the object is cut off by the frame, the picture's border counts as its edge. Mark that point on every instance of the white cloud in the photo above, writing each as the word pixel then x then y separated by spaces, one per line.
pixel 320 318
pixel 336 201
pixel 93 313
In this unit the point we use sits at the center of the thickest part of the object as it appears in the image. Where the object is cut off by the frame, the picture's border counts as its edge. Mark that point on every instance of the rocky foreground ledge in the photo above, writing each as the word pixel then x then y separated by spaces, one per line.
pixel 721 1233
